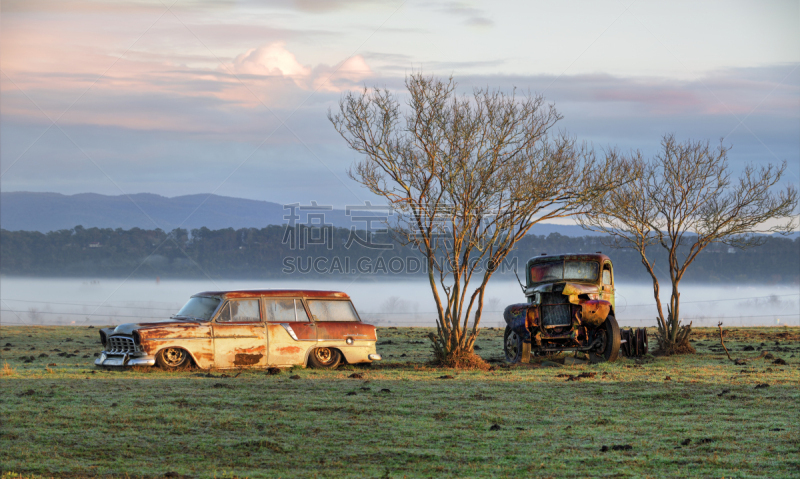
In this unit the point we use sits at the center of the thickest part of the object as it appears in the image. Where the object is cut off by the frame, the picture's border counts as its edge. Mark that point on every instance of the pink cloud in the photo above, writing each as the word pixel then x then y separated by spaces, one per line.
pixel 270 60
pixel 343 76
pixel 274 60
pixel 659 99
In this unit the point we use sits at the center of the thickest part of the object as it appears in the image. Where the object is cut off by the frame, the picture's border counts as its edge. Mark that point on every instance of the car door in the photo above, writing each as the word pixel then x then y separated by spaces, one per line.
pixel 240 335
pixel 291 332
pixel 607 286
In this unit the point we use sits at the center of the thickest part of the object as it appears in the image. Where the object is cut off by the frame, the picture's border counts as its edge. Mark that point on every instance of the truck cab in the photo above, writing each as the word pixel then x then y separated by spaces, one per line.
pixel 570 307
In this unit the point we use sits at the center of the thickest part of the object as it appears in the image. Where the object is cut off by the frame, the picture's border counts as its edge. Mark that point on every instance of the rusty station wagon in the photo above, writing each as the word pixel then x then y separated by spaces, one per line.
pixel 570 308
pixel 258 328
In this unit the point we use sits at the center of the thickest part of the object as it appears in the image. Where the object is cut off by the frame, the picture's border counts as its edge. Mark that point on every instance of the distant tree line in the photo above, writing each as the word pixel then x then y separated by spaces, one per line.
pixel 281 252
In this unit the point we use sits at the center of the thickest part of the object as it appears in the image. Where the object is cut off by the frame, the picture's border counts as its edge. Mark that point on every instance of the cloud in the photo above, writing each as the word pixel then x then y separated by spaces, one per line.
pixel 345 75
pixel 152 131
pixel 469 15
pixel 731 92
pixel 144 91
pixel 125 7
pixel 276 62
pixel 80 6
pixel 402 64
pixel 271 60
pixel 324 6
pixel 160 110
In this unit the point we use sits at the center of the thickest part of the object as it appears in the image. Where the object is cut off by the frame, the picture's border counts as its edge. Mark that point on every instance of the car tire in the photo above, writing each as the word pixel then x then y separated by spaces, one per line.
pixel 172 359
pixel 609 351
pixel 512 346
pixel 325 358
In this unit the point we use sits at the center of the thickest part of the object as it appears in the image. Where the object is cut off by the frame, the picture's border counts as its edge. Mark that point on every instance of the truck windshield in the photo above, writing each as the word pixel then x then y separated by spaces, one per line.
pixel 199 308
pixel 564 271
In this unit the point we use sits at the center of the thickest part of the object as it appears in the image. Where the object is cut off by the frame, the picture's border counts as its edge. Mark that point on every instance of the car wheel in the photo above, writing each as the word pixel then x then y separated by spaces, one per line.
pixel 512 346
pixel 325 358
pixel 170 359
pixel 610 339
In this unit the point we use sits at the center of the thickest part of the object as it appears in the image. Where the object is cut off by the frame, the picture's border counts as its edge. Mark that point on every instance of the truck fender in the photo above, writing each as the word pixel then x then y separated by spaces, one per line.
pixel 516 317
pixel 594 311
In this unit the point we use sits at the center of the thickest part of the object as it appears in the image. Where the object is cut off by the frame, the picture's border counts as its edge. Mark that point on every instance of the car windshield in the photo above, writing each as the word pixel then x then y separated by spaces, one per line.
pixel 198 307
pixel 332 311
pixel 565 271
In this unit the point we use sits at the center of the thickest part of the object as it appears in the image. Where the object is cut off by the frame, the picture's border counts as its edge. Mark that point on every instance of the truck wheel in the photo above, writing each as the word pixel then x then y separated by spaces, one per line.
pixel 512 346
pixel 609 348
pixel 325 358
pixel 171 359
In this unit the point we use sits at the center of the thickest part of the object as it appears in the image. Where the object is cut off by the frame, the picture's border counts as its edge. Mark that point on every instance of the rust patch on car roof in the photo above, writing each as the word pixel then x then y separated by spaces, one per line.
pixel 305 293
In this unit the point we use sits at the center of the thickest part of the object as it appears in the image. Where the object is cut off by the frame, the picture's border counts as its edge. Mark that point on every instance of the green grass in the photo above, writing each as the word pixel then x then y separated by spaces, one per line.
pixel 73 420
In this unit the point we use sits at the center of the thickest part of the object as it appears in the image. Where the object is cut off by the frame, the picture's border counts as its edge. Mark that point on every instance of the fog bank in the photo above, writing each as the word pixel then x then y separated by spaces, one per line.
pixel 83 302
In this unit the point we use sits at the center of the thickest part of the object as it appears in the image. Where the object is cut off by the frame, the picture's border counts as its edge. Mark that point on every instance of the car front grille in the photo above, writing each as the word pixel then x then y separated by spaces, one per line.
pixel 120 345
pixel 555 310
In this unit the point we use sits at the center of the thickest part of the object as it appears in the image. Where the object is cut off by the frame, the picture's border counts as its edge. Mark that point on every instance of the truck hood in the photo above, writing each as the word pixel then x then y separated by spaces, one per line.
pixel 569 288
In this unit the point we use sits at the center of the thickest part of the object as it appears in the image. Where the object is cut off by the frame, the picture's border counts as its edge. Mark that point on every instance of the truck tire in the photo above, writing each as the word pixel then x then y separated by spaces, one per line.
pixel 512 346
pixel 609 350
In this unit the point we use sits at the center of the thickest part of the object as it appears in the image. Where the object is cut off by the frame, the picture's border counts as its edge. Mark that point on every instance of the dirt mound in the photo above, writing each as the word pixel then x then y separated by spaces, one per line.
pixel 462 360
pixel 670 350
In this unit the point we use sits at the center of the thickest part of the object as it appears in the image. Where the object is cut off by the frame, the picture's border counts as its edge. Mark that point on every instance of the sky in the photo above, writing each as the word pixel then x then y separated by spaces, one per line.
pixel 231 97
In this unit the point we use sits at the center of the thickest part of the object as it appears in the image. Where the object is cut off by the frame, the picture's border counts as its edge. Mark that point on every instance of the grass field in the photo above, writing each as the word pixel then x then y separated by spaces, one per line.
pixel 691 416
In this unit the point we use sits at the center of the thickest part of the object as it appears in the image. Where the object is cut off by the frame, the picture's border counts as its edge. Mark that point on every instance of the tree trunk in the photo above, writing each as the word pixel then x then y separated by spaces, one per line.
pixel 674 338
pixel 454 342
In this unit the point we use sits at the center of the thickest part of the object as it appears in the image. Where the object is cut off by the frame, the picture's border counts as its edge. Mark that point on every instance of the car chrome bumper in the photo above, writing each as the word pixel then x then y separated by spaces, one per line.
pixel 124 360
pixel 374 357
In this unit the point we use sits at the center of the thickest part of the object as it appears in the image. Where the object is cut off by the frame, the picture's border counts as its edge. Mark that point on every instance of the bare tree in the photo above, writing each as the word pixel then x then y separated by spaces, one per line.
pixel 469 176
pixel 683 200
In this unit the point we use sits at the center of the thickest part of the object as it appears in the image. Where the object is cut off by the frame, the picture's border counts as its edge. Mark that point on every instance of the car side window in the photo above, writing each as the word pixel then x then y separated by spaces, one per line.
pixel 302 316
pixel 280 310
pixel 606 276
pixel 240 311
pixel 327 310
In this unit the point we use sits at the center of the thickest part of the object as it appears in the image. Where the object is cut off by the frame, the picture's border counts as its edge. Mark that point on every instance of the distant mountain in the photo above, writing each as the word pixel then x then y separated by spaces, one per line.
pixel 52 211
pixel 25 211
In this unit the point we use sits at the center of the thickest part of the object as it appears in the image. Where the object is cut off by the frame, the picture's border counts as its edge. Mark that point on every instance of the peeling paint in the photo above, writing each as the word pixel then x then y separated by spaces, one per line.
pixel 247 359
pixel 289 350
pixel 594 311
pixel 339 330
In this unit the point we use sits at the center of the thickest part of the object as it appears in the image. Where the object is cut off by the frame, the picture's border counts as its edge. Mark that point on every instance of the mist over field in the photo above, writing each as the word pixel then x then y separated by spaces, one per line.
pixel 83 302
